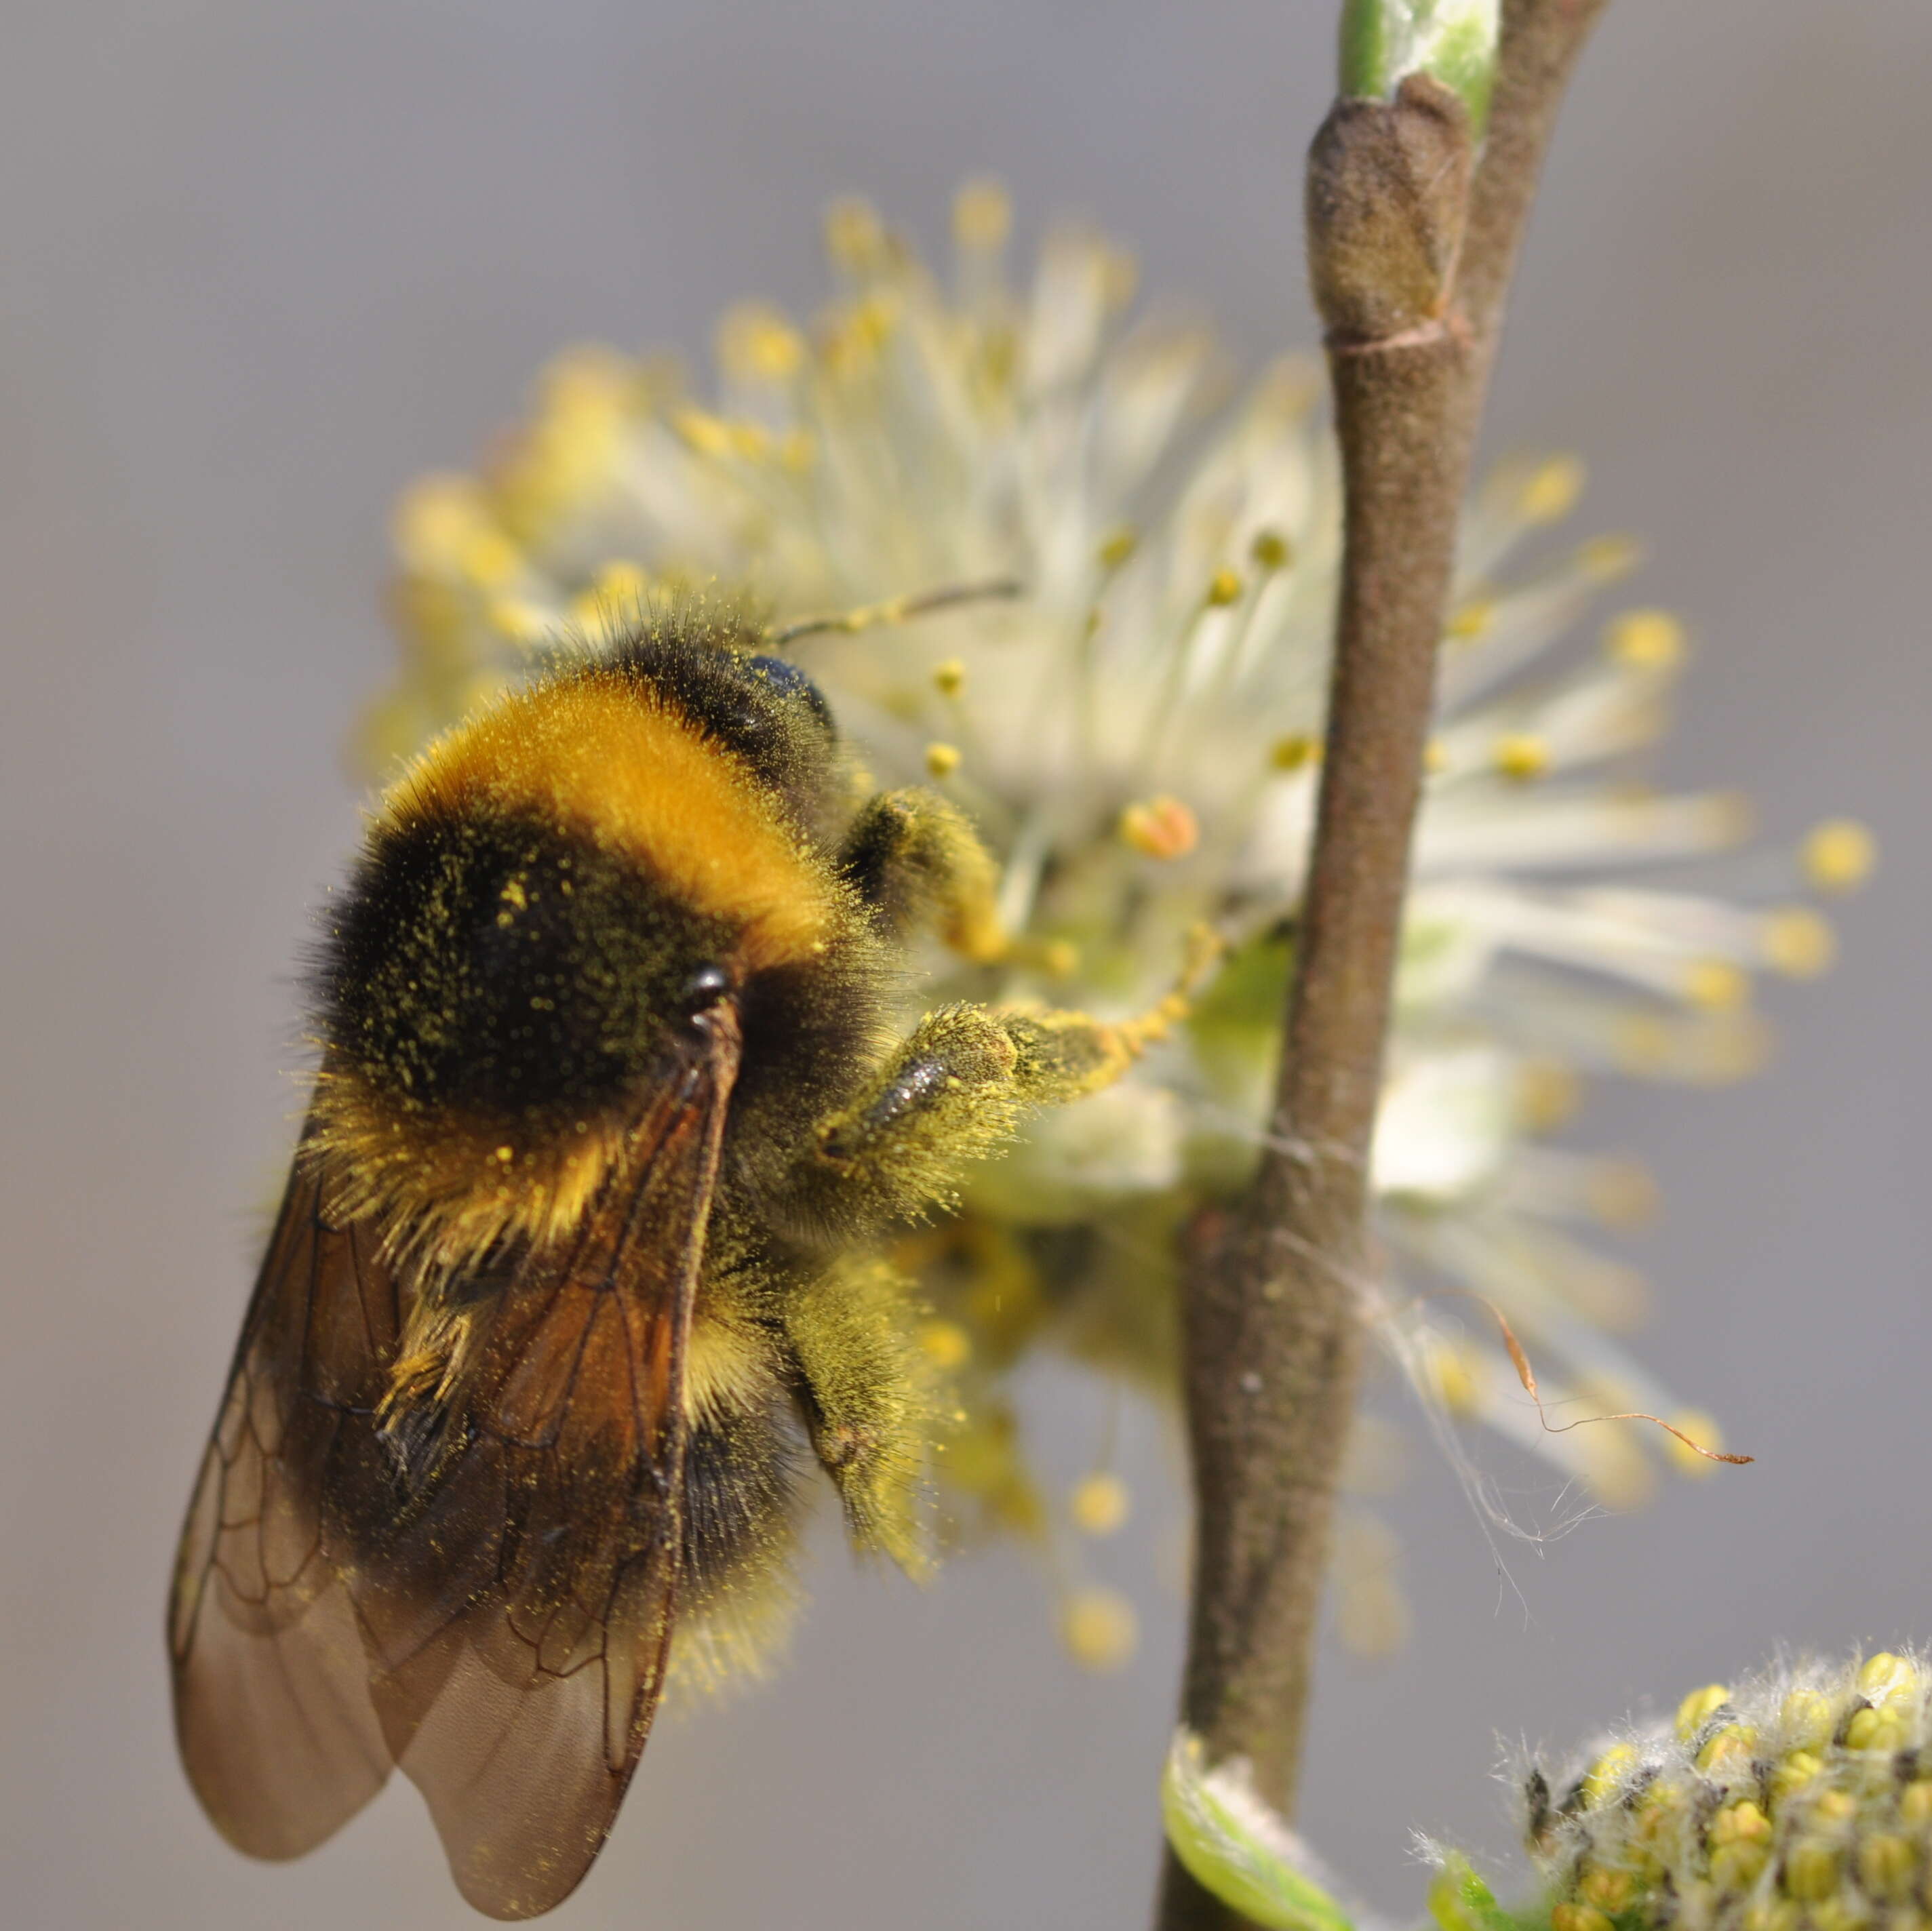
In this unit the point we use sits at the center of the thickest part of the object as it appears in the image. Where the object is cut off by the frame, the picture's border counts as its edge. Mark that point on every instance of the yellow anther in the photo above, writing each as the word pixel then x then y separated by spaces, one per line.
pixel 1728 1752
pixel 1794 1772
pixel 855 237
pixel 506 1155
pixel 1798 941
pixel 1294 751
pixel 1702 1428
pixel 756 344
pixel 1099 1628
pixel 489 559
pixel 1601 1779
pixel 1811 1872
pixel 1604 559
pixel 1224 587
pixel 1716 984
pixel 1162 828
pixel 948 679
pixel 1472 619
pixel 1569 1916
pixel 1120 276
pixel 1608 1890
pixel 1060 958
pixel 1099 1505
pixel 1734 1867
pixel 1805 1720
pixel 621 582
pixel 1271 550
pixel 1834 1808
pixel 942 760
pixel 1886 1866
pixel 1886 1678
pixel 433 519
pixel 1645 640
pixel 1742 1823
pixel 707 434
pixel 1521 755
pixel 1699 1706
pixel 1548 1094
pixel 982 217
pixel 946 1345
pixel 1875 1729
pixel 1838 856
pixel 1915 1803
pixel 1116 548
pixel 1622 1193
pixel 1551 493
pixel 521 622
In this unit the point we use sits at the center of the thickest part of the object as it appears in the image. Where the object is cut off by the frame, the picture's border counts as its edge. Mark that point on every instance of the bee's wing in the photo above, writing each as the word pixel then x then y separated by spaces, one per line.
pixel 272 1707
pixel 518 1615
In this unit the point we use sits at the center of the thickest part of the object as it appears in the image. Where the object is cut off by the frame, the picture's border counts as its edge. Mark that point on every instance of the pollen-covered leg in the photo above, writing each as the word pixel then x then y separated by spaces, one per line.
pixel 956 1090
pixel 870 1401
pixel 915 858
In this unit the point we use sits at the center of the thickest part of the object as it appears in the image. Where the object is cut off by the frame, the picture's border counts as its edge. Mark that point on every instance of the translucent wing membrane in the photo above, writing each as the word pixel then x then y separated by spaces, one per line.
pixel 489 1605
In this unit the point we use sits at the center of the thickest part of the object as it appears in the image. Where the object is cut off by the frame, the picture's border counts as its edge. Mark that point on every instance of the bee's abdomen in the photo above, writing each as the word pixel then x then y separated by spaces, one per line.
pixel 491 963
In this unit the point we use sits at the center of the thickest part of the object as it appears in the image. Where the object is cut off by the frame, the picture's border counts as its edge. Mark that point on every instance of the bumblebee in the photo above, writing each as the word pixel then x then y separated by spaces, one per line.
pixel 574 1270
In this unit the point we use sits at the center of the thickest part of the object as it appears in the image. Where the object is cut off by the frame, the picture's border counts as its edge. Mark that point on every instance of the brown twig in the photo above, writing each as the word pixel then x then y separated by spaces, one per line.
pixel 1410 257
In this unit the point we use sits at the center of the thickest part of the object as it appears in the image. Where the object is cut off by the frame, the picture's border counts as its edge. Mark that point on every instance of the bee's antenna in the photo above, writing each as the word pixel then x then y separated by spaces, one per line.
pixel 895 609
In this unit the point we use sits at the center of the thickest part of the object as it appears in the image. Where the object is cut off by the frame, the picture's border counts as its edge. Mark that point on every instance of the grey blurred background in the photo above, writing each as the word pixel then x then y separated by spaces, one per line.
pixel 261 263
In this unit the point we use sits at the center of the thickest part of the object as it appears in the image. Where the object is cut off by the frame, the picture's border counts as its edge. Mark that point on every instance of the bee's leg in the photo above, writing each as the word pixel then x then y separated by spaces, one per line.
pixel 870 1401
pixel 914 859
pixel 955 1090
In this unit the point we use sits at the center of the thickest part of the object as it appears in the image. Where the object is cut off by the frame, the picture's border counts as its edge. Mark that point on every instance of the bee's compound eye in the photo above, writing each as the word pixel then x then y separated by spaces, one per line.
pixel 703 989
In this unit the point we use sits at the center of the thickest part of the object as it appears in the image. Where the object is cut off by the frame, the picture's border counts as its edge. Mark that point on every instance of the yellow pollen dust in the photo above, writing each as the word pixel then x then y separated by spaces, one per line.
pixel 948 679
pixel 946 1345
pixel 1551 493
pixel 1521 755
pixel 1162 828
pixel 1292 752
pixel 942 760
pixel 1797 943
pixel 1099 1505
pixel 1716 984
pixel 1644 639
pixel 1471 620
pixel 1839 855
pixel 1224 587
pixel 982 217
pixel 1099 1628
